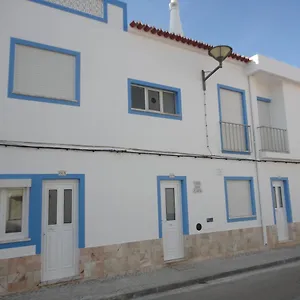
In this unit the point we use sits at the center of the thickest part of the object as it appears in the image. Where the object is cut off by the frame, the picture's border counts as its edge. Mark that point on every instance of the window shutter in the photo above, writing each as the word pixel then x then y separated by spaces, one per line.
pixel 239 199
pixel 44 73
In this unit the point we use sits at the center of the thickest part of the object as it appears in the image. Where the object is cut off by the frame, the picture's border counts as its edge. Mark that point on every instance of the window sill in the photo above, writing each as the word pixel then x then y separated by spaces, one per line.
pixel 155 114
pixel 253 218
pixel 43 99
pixel 15 241
pixel 236 152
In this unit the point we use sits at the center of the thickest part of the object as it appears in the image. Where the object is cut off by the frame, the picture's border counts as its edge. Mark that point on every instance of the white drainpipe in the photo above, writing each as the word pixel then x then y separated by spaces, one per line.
pixel 264 228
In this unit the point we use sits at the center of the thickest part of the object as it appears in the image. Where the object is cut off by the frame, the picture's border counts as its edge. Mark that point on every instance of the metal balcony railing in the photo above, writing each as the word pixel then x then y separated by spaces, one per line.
pixel 273 139
pixel 235 137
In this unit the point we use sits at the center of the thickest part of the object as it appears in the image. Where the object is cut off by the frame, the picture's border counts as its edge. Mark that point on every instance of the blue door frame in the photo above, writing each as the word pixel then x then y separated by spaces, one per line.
pixel 185 214
pixel 287 198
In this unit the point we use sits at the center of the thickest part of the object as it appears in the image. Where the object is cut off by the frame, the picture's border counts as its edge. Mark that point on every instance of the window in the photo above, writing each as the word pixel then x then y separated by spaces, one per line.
pixel 240 199
pixel 14 195
pixel 264 111
pixel 154 100
pixel 234 126
pixel 43 73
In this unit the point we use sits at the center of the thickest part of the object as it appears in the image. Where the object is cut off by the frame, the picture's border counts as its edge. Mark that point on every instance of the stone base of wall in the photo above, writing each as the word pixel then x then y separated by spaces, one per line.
pixel 294 236
pixel 145 256
pixel 20 274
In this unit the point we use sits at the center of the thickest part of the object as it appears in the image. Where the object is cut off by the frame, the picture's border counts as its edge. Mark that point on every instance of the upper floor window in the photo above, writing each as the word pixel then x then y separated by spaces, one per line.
pixel 235 131
pixel 14 200
pixel 273 136
pixel 154 100
pixel 43 73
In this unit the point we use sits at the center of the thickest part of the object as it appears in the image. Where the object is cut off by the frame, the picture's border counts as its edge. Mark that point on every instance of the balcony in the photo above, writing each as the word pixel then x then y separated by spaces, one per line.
pixel 273 139
pixel 235 138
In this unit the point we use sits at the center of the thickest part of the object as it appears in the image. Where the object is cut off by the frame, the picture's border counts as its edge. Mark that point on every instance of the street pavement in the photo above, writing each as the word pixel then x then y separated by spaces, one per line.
pixel 280 283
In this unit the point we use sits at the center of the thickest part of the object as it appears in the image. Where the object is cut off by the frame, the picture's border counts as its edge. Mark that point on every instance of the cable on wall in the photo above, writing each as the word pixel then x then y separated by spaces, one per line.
pixel 206 123
pixel 77 148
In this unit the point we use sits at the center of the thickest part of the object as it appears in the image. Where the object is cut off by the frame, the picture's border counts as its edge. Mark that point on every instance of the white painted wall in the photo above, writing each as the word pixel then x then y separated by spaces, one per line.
pixel 17 252
pixel 124 193
pixel 121 193
pixel 109 56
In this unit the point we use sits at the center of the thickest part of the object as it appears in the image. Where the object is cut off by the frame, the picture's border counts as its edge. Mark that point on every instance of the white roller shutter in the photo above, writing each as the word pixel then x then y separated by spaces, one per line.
pixel 239 199
pixel 44 73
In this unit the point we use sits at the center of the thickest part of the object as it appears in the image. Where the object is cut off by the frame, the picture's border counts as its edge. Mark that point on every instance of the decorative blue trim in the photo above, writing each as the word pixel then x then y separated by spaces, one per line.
pixel 184 201
pixel 236 152
pixel 11 94
pixel 252 198
pixel 287 198
pixel 263 99
pixel 35 208
pixel 245 118
pixel 103 19
pixel 177 92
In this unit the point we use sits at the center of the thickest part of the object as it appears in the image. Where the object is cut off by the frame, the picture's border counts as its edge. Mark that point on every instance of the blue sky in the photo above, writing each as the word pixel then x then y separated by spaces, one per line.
pixel 268 27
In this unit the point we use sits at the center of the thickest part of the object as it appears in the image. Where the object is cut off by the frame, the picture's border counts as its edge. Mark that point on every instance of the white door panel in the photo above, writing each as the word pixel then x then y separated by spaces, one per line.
pixel 172 220
pixel 59 230
pixel 280 210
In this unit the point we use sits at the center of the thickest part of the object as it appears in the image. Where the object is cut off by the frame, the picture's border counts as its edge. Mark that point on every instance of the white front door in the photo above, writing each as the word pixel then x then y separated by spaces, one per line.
pixel 59 252
pixel 280 210
pixel 172 220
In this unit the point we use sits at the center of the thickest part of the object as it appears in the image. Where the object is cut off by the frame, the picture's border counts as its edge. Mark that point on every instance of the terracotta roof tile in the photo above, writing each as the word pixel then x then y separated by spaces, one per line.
pixel 182 39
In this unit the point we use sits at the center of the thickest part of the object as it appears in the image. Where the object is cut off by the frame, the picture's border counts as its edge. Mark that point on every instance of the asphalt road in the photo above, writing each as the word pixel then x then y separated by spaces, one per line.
pixel 273 284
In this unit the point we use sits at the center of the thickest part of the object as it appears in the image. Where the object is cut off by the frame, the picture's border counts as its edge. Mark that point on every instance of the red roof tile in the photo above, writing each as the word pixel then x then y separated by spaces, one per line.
pixel 182 39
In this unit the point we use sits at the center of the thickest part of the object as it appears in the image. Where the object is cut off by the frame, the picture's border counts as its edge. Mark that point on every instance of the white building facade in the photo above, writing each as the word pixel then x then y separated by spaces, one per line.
pixel 112 158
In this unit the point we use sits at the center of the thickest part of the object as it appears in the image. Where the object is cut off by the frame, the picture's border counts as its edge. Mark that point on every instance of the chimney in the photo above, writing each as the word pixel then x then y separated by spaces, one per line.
pixel 175 23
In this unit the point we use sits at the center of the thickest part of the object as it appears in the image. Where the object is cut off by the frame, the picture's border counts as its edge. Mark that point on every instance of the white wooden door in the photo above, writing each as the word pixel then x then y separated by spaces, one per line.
pixel 60 257
pixel 280 210
pixel 172 220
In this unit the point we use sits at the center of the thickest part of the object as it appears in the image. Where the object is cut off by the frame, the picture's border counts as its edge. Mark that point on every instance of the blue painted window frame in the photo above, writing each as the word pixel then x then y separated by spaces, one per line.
pixel 35 208
pixel 252 199
pixel 245 118
pixel 184 203
pixel 287 198
pixel 262 99
pixel 147 84
pixel 11 94
pixel 103 18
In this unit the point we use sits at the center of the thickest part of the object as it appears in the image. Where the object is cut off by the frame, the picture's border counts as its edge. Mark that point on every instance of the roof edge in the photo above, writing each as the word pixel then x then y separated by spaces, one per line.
pixel 184 40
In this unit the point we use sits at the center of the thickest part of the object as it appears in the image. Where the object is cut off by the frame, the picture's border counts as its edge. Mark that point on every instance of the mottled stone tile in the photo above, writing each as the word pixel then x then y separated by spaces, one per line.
pixel 30 280
pixel 111 251
pixel 98 270
pixel 17 265
pixel 33 263
pixel 37 277
pixel 89 268
pixel 3 285
pixel 18 286
pixel 115 266
pixel 145 253
pixel 3 267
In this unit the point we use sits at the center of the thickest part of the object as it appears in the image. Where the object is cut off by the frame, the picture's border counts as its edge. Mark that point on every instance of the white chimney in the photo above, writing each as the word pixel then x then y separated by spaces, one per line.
pixel 175 23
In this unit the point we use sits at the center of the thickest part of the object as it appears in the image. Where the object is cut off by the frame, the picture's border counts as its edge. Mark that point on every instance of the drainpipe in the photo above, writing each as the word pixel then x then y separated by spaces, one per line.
pixel 264 228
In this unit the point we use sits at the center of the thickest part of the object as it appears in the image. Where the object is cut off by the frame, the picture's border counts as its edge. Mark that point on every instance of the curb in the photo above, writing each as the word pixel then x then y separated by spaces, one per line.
pixel 194 281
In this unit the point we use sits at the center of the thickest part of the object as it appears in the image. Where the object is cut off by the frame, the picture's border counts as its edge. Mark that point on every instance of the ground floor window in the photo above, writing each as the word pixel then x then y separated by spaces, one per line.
pixel 14 200
pixel 240 199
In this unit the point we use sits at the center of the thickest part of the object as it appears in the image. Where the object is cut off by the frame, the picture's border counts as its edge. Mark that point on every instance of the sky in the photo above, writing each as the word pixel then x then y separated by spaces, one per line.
pixel 267 27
